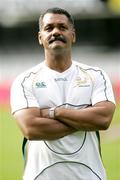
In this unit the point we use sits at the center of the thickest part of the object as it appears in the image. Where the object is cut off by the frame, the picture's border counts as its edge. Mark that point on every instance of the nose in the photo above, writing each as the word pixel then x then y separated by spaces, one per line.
pixel 56 32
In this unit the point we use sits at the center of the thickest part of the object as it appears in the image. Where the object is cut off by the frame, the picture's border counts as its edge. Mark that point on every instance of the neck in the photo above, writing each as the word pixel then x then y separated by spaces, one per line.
pixel 58 62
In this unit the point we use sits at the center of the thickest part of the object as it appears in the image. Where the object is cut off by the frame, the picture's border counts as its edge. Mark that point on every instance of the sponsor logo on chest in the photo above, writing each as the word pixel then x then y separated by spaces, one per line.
pixel 61 79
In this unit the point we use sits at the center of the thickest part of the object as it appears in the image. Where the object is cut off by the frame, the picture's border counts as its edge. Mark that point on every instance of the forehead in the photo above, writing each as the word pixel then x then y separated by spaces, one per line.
pixel 51 18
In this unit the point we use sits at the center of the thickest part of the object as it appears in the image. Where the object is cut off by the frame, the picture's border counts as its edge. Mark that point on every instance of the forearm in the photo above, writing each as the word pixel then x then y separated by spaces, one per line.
pixel 89 119
pixel 35 126
pixel 49 129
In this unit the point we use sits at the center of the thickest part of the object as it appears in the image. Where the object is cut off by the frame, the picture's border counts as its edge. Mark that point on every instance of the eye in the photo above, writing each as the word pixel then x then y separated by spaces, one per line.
pixel 48 28
pixel 63 27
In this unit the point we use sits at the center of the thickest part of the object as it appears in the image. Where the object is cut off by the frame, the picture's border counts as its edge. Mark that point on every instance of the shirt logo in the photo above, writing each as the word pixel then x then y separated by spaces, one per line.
pixel 82 82
pixel 40 84
pixel 61 79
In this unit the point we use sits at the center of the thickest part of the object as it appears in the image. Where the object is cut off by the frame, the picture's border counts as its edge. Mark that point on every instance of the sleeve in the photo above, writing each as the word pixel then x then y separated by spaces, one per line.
pixel 102 89
pixel 21 95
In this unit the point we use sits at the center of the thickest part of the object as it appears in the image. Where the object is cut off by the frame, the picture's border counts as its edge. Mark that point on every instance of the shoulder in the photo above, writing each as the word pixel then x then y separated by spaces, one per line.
pixel 26 78
pixel 87 67
pixel 28 74
pixel 96 73
pixel 92 70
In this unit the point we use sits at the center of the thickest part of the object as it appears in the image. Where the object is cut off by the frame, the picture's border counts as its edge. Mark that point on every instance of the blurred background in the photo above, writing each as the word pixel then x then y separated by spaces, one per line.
pixel 97 25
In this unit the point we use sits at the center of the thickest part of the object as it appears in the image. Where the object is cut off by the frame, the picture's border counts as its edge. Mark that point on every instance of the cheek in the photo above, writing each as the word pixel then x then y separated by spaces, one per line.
pixel 45 39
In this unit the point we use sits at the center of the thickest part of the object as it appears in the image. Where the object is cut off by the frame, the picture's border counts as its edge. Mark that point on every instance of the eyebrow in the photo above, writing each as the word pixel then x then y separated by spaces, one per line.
pixel 52 24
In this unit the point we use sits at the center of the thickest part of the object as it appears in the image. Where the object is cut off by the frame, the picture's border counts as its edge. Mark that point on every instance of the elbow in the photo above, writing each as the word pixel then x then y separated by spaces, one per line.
pixel 105 126
pixel 105 115
pixel 31 133
pixel 28 133
pixel 106 123
pixel 106 119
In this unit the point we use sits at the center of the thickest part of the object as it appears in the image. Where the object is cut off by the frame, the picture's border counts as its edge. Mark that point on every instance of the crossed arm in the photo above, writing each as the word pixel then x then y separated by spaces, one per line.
pixel 36 124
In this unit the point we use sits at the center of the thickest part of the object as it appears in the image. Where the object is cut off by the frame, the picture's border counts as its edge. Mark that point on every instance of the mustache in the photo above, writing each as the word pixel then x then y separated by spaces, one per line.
pixel 57 38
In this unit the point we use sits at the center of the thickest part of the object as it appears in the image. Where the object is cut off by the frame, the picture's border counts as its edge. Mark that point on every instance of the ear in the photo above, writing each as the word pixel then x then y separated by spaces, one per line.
pixel 74 37
pixel 39 38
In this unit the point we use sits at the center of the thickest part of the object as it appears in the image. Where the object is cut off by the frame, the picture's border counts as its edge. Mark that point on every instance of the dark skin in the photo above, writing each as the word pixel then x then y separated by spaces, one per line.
pixel 34 122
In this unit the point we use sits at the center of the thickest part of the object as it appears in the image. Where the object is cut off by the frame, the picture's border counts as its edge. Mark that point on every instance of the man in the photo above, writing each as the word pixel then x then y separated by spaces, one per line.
pixel 60 105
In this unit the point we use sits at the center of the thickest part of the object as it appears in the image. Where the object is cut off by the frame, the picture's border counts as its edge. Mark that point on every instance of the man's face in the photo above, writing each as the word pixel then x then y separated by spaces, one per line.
pixel 56 32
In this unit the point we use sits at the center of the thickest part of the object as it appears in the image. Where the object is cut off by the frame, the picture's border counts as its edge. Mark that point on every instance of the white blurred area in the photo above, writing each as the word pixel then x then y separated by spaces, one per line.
pixel 98 29
pixel 13 12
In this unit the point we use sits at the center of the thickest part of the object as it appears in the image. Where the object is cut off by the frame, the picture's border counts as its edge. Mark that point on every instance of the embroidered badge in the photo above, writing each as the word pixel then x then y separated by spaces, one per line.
pixel 40 84
pixel 82 82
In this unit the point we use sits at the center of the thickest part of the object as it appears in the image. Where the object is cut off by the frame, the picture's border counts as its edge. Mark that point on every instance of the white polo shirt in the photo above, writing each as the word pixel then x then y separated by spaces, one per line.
pixel 76 156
